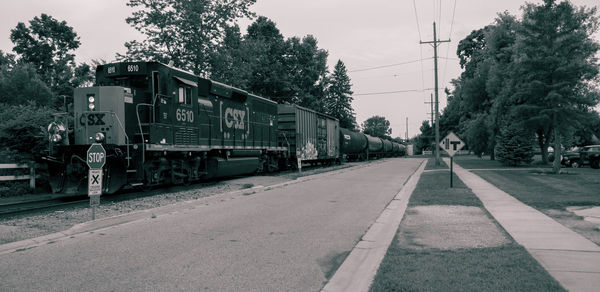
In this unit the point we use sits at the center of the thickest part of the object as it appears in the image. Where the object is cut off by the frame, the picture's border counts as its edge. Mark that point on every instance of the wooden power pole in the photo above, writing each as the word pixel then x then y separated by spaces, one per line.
pixel 435 43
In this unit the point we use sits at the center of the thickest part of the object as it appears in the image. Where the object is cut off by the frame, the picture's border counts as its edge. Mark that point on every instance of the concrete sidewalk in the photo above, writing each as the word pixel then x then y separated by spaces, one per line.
pixel 570 258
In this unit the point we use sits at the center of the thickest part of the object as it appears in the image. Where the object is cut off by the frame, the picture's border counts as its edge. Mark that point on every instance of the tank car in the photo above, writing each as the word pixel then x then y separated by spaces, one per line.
pixel 353 145
pixel 161 125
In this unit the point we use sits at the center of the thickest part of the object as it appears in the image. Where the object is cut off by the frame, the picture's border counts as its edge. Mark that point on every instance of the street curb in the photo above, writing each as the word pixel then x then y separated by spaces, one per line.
pixel 358 270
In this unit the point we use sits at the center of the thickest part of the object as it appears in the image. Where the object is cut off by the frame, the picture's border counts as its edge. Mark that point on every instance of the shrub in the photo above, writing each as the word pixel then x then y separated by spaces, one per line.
pixel 23 131
pixel 514 146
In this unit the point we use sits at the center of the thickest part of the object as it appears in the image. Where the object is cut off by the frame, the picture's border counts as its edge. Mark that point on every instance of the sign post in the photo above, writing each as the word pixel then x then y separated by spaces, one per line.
pixel 452 144
pixel 96 158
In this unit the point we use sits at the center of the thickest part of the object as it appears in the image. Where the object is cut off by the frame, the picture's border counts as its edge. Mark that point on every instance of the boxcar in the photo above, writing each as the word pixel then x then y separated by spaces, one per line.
pixel 311 137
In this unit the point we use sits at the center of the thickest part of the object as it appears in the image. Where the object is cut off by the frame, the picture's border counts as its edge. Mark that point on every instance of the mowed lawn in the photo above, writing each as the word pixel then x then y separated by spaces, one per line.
pixel 537 186
pixel 507 267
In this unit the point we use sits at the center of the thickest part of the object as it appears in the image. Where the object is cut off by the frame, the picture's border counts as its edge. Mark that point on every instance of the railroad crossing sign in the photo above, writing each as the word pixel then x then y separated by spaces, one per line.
pixel 95 182
pixel 451 144
pixel 96 156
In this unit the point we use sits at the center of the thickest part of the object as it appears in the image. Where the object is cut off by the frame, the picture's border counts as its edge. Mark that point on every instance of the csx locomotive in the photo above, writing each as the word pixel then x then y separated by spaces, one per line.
pixel 161 125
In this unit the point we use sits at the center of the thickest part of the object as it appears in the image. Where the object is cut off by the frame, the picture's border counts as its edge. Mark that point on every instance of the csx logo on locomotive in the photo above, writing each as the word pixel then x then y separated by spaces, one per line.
pixel 234 118
pixel 92 119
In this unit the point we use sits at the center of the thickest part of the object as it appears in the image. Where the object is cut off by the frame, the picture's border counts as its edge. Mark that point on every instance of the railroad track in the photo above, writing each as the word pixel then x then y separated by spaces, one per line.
pixel 47 202
pixel 12 208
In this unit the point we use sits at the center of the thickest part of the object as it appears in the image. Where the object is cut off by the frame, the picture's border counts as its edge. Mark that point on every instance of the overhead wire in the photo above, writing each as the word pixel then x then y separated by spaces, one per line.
pixel 386 66
pixel 420 47
pixel 390 92
pixel 449 37
pixel 417 17
pixel 440 16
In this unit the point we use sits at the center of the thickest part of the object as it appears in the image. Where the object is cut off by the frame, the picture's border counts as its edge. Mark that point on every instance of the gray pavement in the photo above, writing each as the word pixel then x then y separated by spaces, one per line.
pixel 570 258
pixel 359 268
pixel 288 237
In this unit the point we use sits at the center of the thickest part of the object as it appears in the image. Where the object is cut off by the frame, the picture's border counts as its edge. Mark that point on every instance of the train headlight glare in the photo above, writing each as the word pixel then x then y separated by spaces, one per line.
pixel 91 99
pixel 99 137
pixel 56 131
pixel 56 138
pixel 91 106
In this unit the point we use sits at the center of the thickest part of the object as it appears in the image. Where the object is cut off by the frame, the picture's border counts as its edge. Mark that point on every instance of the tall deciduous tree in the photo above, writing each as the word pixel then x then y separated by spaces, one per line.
pixel 185 32
pixel 425 139
pixel 21 84
pixel 555 61
pixel 338 100
pixel 307 66
pixel 377 126
pixel 266 50
pixel 6 59
pixel 48 45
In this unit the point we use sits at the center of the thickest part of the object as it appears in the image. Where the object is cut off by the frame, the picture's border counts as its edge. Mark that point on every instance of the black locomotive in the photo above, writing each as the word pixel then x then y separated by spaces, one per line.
pixel 161 125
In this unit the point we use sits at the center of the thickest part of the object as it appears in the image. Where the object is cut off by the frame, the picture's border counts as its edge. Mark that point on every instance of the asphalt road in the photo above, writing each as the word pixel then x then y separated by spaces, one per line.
pixel 289 238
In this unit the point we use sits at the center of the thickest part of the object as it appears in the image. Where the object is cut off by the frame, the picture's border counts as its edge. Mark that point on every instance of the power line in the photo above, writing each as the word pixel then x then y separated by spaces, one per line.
pixel 449 36
pixel 440 16
pixel 391 75
pixel 390 92
pixel 420 48
pixel 386 66
pixel 417 17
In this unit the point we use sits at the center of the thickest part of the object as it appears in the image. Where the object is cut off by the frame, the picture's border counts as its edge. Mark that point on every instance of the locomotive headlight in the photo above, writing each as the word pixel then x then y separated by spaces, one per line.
pixel 99 137
pixel 56 138
pixel 91 106
pixel 91 99
pixel 56 131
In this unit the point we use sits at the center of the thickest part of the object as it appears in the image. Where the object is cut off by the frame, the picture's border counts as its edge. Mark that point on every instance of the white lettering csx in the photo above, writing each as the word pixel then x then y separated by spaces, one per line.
pixel 234 118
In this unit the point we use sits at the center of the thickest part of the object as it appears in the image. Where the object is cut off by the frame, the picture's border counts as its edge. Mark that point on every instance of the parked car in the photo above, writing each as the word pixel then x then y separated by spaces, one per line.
pixel 582 156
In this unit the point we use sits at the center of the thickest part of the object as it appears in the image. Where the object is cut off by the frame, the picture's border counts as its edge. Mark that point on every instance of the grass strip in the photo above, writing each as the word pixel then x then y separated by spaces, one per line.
pixel 537 188
pixel 505 268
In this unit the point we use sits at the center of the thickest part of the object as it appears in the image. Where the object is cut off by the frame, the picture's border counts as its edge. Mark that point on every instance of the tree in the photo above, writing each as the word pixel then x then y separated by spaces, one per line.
pixel 48 44
pixel 514 146
pixel 338 100
pixel 555 61
pixel 22 131
pixel 425 139
pixel 477 103
pixel 306 65
pixel 265 63
pixel 267 49
pixel 182 31
pixel 7 59
pixel 231 62
pixel 377 126
pixel 21 84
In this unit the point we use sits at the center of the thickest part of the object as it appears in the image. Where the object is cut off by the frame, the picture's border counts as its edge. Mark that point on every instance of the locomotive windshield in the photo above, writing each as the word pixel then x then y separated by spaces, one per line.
pixel 125 81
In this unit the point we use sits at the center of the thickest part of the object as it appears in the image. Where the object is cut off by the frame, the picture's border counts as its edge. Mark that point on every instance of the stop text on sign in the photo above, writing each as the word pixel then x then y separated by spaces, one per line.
pixel 95 157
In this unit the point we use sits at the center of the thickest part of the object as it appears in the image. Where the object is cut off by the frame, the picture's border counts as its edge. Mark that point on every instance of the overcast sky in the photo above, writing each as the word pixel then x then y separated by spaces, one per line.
pixel 363 34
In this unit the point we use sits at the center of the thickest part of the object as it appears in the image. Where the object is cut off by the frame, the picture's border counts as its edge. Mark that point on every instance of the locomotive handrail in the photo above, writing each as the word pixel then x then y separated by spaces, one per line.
pixel 137 113
pixel 126 137
pixel 154 104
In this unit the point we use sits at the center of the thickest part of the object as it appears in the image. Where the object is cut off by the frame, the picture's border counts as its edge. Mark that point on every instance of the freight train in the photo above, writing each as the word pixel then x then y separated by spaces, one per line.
pixel 162 125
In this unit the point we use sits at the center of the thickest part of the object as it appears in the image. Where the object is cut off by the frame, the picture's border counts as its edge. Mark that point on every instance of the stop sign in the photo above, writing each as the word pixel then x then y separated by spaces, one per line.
pixel 96 156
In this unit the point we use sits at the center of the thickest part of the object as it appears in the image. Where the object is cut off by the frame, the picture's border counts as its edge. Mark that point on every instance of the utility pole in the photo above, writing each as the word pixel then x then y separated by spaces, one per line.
pixel 431 103
pixel 435 43
pixel 406 130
